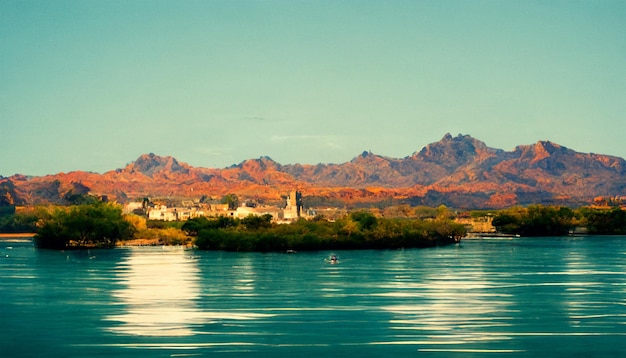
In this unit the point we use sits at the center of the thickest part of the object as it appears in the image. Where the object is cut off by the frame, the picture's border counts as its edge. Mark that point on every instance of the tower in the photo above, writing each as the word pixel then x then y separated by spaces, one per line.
pixel 294 204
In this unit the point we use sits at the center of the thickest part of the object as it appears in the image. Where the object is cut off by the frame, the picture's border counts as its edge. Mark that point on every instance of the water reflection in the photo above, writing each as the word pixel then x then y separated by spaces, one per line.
pixel 246 276
pixel 587 282
pixel 454 309
pixel 159 293
pixel 529 297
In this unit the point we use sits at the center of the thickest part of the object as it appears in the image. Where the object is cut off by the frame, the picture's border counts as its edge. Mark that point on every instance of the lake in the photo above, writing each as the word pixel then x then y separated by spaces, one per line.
pixel 556 297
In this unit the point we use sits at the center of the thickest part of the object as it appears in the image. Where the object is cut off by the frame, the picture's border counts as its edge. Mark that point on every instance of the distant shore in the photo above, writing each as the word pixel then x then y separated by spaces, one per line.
pixel 138 242
pixel 13 235
pixel 132 242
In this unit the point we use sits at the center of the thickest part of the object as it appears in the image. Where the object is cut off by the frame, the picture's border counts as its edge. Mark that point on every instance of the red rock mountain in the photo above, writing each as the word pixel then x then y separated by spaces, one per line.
pixel 457 171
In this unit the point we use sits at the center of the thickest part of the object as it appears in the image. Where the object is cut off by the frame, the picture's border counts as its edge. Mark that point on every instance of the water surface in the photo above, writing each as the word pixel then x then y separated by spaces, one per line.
pixel 522 297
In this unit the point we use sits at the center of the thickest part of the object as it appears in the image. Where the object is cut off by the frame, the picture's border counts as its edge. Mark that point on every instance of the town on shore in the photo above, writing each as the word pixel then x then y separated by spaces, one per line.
pixel 247 225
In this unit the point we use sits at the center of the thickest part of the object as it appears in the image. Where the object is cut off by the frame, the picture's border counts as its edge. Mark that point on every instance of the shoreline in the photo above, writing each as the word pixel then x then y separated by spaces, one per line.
pixel 126 243
pixel 138 242
pixel 16 235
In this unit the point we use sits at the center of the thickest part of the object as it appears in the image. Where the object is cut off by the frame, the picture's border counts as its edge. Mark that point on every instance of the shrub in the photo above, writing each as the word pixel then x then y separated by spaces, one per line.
pixel 90 225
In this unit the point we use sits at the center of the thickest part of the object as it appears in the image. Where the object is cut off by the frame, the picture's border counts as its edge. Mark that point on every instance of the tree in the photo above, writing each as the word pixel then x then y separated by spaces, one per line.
pixel 253 222
pixel 22 222
pixel 605 222
pixel 547 221
pixel 93 225
pixel 77 198
pixel 536 220
pixel 366 220
pixel 232 200
pixel 193 226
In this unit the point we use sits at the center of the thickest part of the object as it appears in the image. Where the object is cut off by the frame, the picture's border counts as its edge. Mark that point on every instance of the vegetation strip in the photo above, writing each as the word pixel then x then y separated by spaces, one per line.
pixel 103 225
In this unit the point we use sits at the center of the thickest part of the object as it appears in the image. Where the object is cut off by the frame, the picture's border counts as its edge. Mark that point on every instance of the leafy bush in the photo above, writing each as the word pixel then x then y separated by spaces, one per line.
pixel 605 222
pixel 357 231
pixel 17 222
pixel 92 225
pixel 536 220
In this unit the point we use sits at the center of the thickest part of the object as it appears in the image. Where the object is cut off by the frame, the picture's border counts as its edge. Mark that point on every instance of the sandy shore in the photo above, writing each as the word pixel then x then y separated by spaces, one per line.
pixel 134 242
pixel 138 242
pixel 16 235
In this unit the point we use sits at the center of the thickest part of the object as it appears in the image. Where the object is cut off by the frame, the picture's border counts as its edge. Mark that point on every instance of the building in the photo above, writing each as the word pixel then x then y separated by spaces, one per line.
pixel 189 210
pixel 246 210
pixel 293 209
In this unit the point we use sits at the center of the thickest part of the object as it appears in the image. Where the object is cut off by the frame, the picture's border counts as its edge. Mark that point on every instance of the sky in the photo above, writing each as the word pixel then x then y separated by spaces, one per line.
pixel 93 84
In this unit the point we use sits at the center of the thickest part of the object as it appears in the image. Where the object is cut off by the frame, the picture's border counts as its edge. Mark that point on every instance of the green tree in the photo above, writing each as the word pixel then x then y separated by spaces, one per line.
pixel 22 222
pixel 605 222
pixel 366 220
pixel 254 222
pixel 508 222
pixel 536 220
pixel 93 225
pixel 426 212
pixel 193 226
pixel 77 198
pixel 232 200
pixel 360 230
pixel 547 221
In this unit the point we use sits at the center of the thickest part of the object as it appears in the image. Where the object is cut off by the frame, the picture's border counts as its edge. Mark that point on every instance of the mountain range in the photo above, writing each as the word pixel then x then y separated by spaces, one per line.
pixel 460 172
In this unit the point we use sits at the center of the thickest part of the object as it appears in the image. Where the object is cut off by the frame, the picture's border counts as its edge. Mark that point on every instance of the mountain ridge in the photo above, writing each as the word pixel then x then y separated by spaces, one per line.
pixel 459 171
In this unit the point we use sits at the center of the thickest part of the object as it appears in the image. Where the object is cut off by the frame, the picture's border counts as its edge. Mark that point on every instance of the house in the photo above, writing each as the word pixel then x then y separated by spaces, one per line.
pixel 189 210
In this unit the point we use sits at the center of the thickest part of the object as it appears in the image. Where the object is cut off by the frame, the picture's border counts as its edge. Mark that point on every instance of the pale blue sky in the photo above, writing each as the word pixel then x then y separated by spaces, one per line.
pixel 92 84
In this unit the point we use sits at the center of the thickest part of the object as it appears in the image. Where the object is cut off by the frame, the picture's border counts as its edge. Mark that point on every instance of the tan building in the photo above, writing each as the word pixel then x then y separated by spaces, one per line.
pixel 293 210
pixel 482 224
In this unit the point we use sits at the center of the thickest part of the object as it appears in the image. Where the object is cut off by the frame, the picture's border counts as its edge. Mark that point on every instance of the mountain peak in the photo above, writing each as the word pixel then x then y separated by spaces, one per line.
pixel 149 164
pixel 454 151
pixel 364 155
pixel 368 157
pixel 543 149
pixel 448 137
pixel 261 163
pixel 547 146
pixel 457 171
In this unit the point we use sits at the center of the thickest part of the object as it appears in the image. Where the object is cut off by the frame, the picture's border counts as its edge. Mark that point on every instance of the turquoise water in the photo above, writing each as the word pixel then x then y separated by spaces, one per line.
pixel 556 297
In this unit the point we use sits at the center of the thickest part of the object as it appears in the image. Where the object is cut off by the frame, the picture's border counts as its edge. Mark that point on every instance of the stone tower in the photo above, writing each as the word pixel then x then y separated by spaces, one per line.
pixel 294 204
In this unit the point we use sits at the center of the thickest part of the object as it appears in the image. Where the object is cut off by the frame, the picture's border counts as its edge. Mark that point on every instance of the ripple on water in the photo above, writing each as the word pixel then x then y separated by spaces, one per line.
pixel 479 298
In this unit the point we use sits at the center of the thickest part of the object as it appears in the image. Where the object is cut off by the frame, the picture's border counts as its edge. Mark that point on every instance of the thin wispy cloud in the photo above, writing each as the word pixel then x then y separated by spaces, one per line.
pixel 326 140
